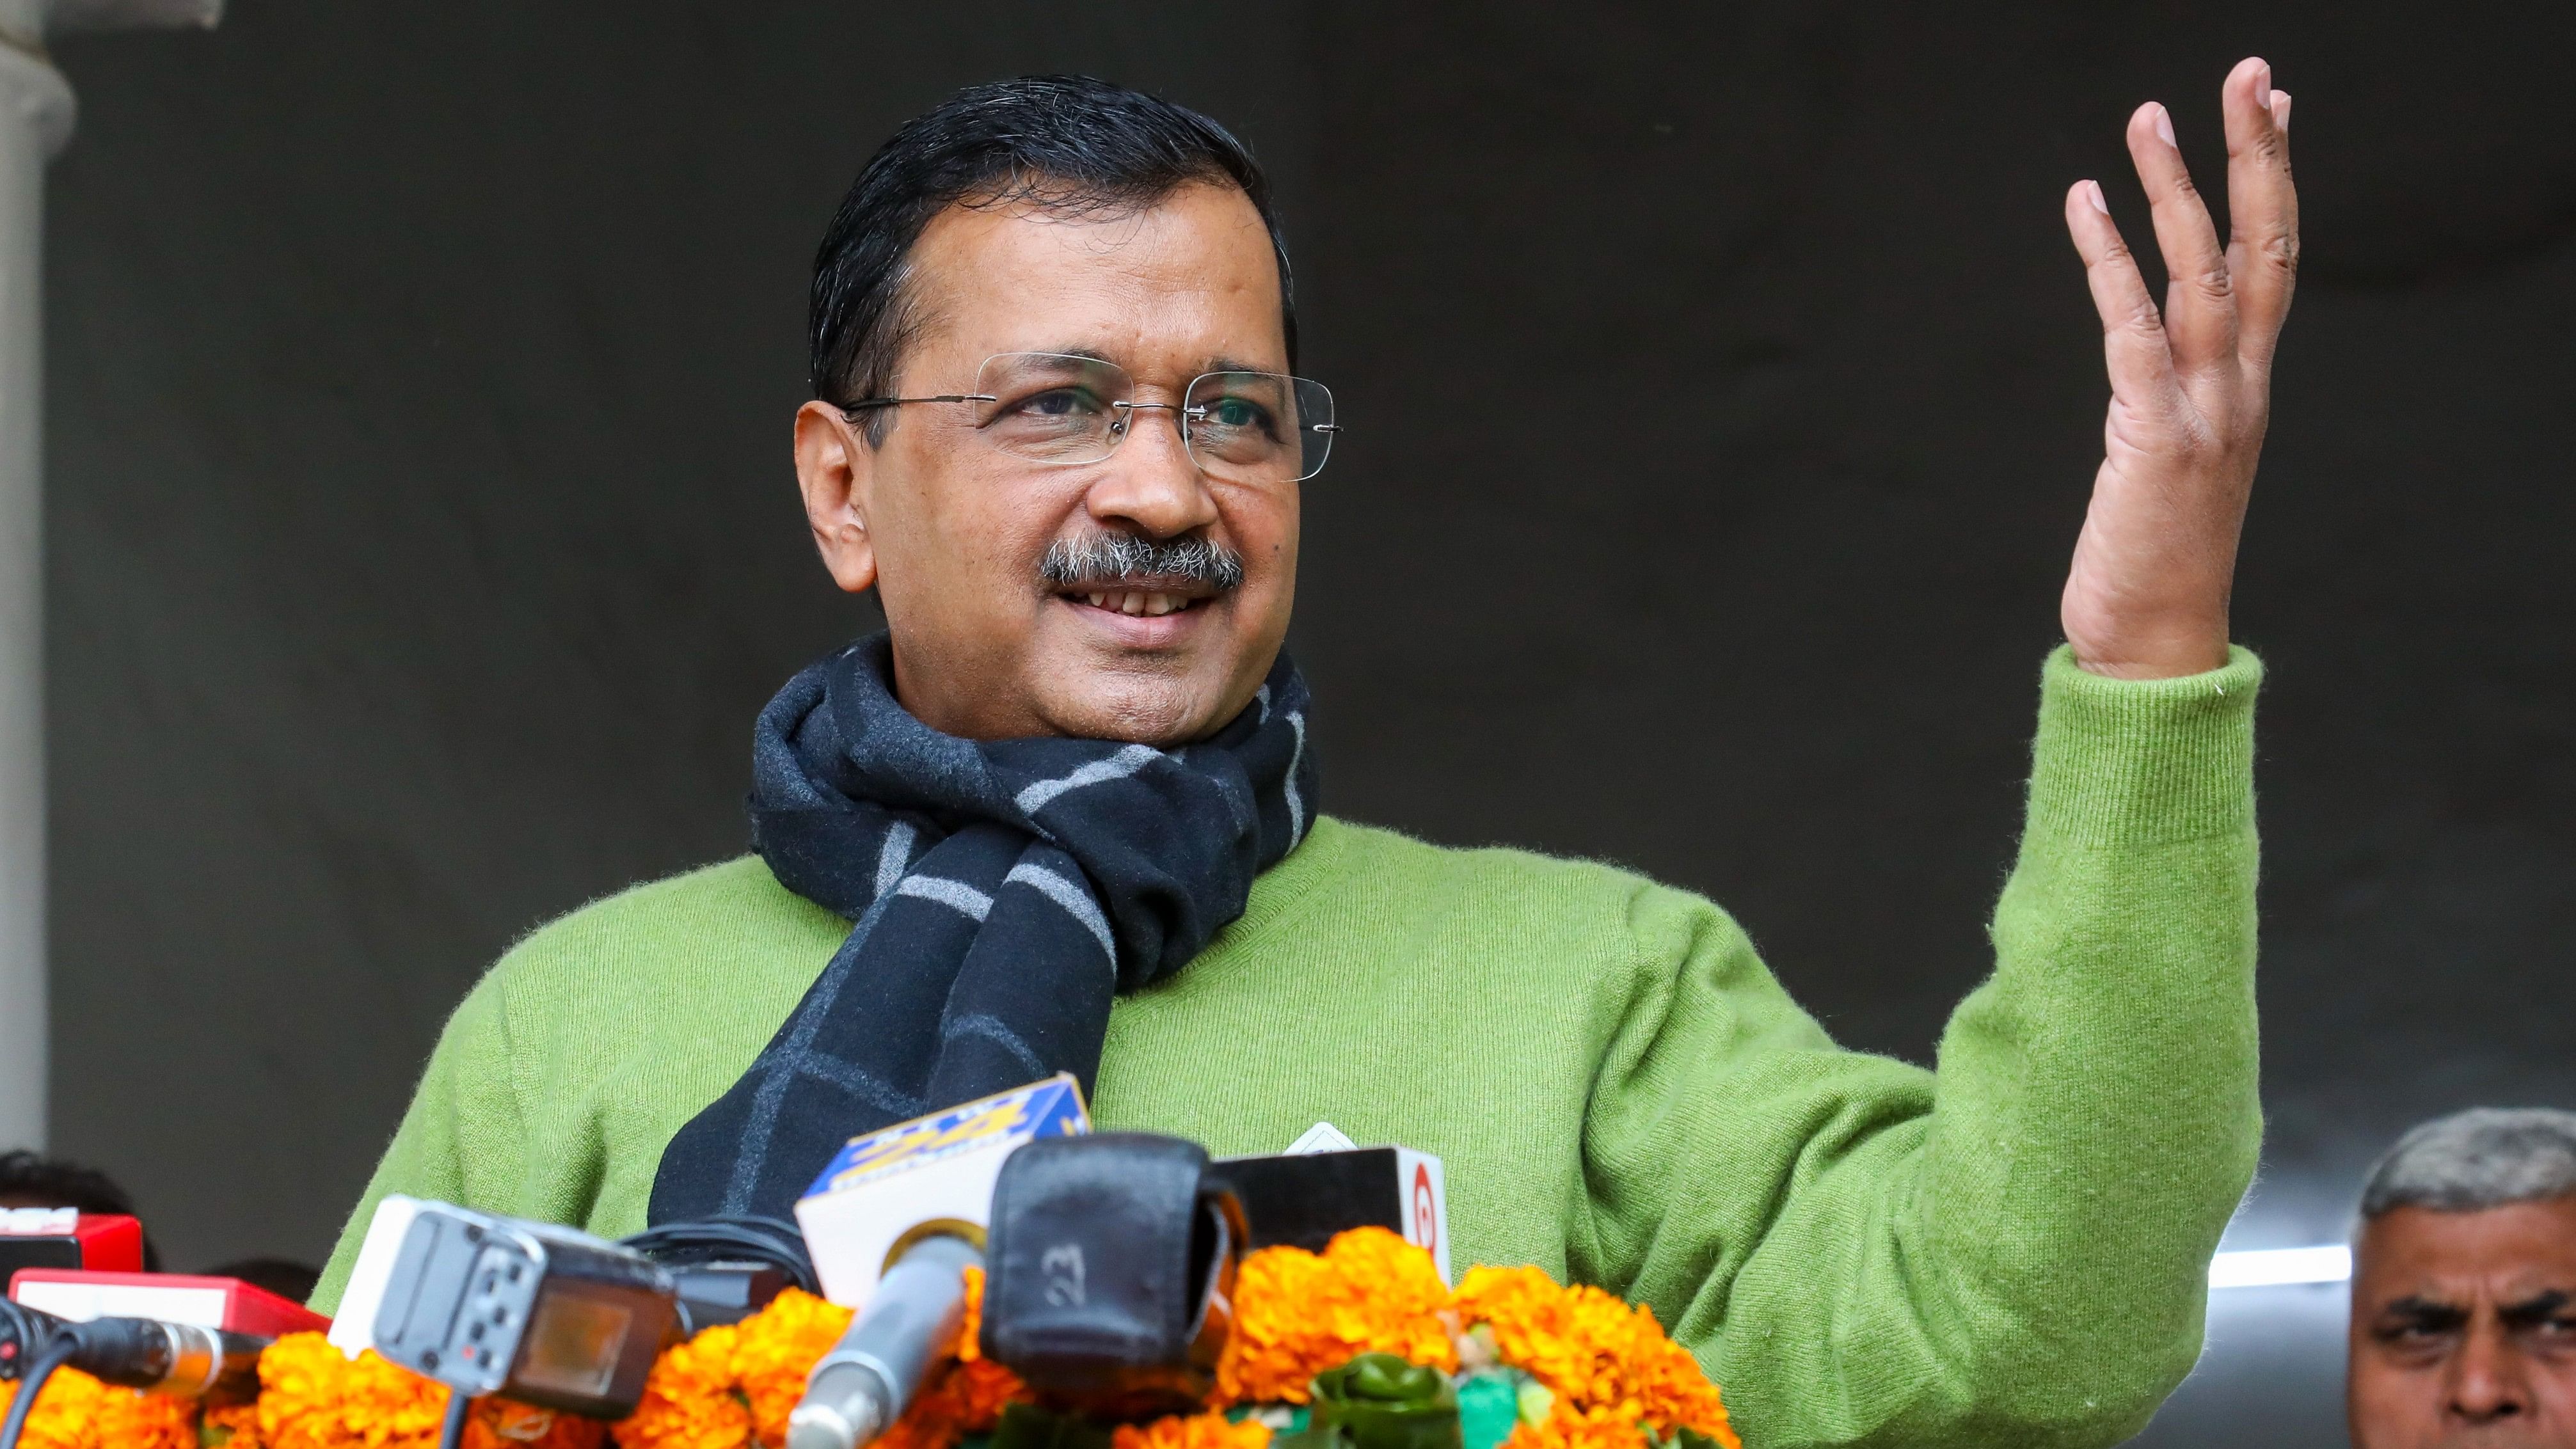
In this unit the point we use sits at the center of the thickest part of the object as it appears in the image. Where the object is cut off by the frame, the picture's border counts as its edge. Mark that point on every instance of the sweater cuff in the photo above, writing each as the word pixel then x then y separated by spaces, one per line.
pixel 2143 761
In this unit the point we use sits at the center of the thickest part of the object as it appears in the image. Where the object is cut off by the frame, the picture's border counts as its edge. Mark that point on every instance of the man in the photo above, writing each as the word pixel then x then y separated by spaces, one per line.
pixel 1062 816
pixel 2464 1286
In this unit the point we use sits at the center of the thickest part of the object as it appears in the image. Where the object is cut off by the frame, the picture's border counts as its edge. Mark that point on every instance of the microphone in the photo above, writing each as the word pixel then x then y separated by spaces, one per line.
pixel 179 1359
pixel 68 1238
pixel 893 1222
pixel 887 1188
pixel 488 1304
pixel 1112 1281
pixel 864 1383
pixel 1301 1198
pixel 80 1294
pixel 182 1360
pixel 158 1357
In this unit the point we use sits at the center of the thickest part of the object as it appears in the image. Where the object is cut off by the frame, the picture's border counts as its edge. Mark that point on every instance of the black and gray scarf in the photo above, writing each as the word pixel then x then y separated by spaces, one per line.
pixel 1001 892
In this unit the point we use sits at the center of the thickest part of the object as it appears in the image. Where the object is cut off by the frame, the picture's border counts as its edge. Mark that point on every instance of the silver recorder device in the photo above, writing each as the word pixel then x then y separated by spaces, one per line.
pixel 537 1313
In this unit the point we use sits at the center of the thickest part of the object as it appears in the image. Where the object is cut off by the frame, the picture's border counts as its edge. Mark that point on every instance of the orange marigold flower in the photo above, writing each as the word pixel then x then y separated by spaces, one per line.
pixel 776 1349
pixel 235 1426
pixel 130 1420
pixel 1594 1352
pixel 970 1335
pixel 75 1411
pixel 311 1396
pixel 1297 1314
pixel 960 1399
pixel 1567 1428
pixel 734 1387
pixel 689 1402
pixel 1191 1431
pixel 501 1424
pixel 977 1391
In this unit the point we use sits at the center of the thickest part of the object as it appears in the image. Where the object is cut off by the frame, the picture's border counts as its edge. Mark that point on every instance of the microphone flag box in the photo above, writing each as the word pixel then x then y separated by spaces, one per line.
pixel 226 1303
pixel 883 1191
pixel 68 1238
pixel 1301 1199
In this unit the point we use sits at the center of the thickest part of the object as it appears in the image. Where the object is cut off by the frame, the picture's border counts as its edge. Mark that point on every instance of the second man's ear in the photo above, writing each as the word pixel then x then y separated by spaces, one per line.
pixel 834 468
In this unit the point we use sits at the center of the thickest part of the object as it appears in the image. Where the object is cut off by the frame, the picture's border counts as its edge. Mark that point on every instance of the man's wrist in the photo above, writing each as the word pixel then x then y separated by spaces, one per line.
pixel 2143 760
pixel 2151 654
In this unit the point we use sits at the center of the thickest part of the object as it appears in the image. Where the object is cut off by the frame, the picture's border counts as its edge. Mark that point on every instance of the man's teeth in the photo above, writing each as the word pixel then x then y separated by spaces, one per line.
pixel 1130 601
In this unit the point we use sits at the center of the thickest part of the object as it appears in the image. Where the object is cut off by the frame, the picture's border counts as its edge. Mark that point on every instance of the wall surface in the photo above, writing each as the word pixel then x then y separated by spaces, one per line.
pixel 1723 398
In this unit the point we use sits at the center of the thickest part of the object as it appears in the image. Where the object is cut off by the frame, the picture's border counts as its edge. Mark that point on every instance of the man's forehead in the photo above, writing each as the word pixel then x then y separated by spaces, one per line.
pixel 2506 1253
pixel 2503 1286
pixel 1191 278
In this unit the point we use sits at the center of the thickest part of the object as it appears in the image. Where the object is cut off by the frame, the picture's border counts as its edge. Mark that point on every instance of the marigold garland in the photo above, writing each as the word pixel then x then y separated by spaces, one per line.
pixel 729 1388
pixel 1603 1427
pixel 75 1411
pixel 1192 1431
pixel 311 1396
pixel 773 1351
pixel 232 1425
pixel 689 1402
pixel 1606 1375
pixel 1598 1354
pixel 1297 1314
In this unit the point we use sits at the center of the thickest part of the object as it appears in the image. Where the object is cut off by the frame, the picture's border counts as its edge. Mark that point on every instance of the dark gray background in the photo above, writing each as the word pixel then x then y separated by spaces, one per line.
pixel 1724 397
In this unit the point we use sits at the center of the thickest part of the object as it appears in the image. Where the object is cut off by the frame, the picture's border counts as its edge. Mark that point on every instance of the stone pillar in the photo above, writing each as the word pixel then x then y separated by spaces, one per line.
pixel 35 121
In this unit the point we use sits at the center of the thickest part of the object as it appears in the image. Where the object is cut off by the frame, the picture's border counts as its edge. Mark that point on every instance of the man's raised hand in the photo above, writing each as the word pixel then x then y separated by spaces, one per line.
pixel 2190 389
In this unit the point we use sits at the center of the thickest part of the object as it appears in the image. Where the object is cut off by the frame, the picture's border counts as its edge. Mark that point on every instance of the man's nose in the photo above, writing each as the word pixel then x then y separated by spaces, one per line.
pixel 1150 483
pixel 2486 1380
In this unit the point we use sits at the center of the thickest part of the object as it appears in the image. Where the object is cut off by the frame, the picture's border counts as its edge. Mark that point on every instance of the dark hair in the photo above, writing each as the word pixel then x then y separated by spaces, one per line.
pixel 27 1174
pixel 1066 143
pixel 35 1180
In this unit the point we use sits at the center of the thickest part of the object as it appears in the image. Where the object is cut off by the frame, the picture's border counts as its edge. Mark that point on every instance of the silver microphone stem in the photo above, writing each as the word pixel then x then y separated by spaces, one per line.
pixel 864 1383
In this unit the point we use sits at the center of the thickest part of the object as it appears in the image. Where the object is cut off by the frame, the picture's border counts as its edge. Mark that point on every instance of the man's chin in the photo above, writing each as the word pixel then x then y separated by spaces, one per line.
pixel 1130 712
pixel 1153 680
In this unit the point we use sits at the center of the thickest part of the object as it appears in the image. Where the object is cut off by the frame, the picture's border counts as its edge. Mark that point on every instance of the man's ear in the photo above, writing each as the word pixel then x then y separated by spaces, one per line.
pixel 834 468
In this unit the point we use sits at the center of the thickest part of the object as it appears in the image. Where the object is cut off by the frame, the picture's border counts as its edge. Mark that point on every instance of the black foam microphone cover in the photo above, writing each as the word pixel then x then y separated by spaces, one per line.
pixel 1109 1264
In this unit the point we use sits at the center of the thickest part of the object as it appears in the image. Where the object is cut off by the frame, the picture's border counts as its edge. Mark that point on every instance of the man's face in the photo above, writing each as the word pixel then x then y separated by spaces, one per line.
pixel 952 531
pixel 2464 1328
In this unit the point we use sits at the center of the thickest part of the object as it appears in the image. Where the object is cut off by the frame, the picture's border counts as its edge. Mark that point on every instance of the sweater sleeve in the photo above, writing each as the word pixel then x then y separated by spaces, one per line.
pixel 459 1142
pixel 2013 1248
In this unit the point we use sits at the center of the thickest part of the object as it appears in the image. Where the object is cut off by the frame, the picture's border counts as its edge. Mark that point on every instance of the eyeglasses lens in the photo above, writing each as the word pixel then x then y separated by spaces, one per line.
pixel 1050 407
pixel 1259 427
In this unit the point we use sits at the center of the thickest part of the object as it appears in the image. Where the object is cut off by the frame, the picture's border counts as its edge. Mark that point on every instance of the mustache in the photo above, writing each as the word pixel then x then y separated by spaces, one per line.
pixel 1123 558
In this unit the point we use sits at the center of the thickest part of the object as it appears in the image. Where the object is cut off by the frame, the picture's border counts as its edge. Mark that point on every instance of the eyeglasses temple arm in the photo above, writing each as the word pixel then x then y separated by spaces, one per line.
pixel 865 403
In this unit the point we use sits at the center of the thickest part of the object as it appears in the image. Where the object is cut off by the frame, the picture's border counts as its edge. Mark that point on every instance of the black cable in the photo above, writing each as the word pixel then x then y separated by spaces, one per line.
pixel 451 1429
pixel 23 1333
pixel 30 1384
pixel 732 1237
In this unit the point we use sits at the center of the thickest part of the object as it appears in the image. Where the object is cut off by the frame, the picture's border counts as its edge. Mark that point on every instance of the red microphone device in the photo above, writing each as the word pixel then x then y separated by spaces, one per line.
pixel 225 1303
pixel 68 1238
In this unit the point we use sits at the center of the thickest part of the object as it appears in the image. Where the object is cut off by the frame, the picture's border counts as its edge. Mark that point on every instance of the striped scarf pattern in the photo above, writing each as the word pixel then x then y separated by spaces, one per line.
pixel 1001 893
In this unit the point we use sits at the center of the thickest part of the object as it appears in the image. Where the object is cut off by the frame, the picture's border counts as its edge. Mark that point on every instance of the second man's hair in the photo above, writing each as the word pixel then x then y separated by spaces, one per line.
pixel 2485 1157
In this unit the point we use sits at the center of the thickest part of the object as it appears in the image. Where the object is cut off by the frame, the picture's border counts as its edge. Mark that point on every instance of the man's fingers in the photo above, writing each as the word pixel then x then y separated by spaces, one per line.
pixel 2262 205
pixel 2134 346
pixel 2200 307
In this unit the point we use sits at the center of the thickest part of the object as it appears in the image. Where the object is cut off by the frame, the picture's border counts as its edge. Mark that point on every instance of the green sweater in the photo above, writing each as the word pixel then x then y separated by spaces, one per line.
pixel 2011 1250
